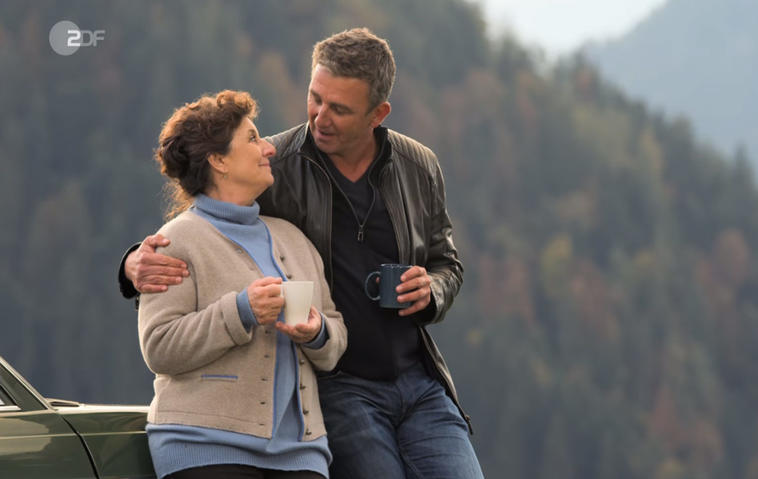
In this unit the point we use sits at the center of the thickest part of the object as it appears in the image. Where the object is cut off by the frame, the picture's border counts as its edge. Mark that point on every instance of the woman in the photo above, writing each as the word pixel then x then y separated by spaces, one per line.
pixel 235 388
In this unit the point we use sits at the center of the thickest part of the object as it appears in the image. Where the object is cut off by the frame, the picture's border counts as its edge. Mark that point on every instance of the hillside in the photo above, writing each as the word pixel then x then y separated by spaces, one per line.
pixel 698 58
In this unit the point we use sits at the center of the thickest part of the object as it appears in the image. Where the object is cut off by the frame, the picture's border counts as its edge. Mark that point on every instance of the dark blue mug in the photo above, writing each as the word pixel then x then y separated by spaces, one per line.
pixel 389 277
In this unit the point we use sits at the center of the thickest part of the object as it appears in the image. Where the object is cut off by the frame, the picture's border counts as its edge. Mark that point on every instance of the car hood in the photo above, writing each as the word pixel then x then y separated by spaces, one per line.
pixel 114 435
pixel 99 418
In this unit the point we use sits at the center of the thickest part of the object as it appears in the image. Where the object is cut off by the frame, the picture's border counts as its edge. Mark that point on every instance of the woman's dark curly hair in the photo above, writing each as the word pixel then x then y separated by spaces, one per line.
pixel 194 132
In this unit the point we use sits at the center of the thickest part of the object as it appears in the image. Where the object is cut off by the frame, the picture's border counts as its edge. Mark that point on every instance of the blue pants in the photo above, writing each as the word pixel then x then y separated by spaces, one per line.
pixel 406 428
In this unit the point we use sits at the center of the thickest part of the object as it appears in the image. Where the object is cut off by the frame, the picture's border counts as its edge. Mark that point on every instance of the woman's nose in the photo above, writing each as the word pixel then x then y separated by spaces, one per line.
pixel 268 149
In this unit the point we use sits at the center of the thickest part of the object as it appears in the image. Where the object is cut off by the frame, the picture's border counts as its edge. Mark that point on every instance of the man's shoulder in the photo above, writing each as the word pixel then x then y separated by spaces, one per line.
pixel 408 149
pixel 287 139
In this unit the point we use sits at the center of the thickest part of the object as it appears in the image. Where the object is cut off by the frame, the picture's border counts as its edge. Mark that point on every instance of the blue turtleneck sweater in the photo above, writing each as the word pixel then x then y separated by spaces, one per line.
pixel 176 447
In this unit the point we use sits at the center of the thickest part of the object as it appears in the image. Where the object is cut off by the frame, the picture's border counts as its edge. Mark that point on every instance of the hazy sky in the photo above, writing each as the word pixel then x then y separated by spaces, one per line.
pixel 562 25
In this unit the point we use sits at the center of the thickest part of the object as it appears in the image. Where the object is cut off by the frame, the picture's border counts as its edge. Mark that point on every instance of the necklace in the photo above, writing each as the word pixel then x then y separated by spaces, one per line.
pixel 361 222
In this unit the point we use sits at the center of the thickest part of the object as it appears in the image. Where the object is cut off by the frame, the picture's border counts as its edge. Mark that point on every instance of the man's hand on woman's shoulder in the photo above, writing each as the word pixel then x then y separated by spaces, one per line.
pixel 152 272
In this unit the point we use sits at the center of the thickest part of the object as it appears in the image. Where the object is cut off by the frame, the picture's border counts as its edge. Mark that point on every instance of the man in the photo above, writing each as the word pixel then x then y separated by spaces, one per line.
pixel 365 195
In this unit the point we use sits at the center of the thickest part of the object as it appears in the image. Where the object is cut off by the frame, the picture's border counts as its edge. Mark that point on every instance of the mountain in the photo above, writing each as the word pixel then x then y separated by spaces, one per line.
pixel 698 58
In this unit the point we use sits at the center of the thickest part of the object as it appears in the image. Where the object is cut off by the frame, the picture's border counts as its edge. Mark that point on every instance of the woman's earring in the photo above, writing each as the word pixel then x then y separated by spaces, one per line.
pixel 226 176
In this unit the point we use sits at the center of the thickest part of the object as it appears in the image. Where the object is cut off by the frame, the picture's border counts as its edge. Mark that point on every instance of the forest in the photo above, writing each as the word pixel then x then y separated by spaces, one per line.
pixel 608 322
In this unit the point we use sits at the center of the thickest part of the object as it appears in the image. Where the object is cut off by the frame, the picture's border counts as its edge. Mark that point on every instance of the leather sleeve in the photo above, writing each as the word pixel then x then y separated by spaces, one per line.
pixel 442 264
pixel 124 285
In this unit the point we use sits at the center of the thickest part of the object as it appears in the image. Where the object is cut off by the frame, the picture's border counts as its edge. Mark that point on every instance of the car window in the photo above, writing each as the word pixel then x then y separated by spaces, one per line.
pixel 5 400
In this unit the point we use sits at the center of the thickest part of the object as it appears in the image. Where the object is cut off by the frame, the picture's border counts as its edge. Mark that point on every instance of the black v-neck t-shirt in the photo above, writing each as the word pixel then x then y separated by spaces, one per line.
pixel 381 344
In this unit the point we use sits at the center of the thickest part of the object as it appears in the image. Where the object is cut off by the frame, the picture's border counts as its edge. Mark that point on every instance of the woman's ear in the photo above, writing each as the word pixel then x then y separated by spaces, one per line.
pixel 217 163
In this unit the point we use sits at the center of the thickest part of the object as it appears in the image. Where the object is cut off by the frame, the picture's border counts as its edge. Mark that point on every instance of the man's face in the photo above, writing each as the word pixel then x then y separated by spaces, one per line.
pixel 338 113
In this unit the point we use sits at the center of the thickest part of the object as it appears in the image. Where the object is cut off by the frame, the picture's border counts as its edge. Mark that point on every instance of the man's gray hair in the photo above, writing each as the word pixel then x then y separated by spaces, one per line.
pixel 358 53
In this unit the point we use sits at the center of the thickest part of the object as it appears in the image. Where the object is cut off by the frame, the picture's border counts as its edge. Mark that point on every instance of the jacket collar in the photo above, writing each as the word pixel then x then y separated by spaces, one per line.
pixel 308 147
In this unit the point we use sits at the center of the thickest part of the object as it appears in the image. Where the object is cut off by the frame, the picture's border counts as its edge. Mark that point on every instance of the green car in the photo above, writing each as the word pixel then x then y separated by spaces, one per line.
pixel 50 438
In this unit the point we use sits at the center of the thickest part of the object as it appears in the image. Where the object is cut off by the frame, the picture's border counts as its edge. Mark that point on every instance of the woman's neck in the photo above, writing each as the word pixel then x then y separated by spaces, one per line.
pixel 233 195
pixel 227 211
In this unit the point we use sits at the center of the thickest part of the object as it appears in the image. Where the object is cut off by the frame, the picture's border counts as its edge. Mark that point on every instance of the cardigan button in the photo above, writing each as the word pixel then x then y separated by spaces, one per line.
pixel 264 379
pixel 308 432
pixel 289 275
pixel 305 411
pixel 302 361
pixel 281 257
pixel 263 403
pixel 302 387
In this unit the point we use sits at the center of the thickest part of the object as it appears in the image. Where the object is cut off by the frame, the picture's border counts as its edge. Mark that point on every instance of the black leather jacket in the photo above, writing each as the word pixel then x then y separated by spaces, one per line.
pixel 411 183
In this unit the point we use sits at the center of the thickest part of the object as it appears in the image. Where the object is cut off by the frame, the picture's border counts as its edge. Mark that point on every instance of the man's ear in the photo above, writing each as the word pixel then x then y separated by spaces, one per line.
pixel 380 113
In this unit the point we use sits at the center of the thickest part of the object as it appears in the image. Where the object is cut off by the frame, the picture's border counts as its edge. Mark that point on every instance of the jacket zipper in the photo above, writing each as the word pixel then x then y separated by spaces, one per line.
pixel 328 217
pixel 403 256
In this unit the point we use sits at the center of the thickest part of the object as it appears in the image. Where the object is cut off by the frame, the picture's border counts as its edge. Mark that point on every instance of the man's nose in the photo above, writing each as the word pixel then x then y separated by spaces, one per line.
pixel 322 116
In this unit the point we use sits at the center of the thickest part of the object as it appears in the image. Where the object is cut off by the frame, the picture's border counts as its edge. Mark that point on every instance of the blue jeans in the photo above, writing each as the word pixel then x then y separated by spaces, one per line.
pixel 406 428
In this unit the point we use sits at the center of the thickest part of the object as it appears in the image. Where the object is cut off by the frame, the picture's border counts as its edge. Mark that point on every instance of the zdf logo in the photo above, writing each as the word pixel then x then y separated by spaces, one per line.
pixel 66 37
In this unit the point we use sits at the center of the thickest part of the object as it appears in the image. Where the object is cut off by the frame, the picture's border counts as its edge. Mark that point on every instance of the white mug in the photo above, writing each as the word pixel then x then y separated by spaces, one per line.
pixel 297 301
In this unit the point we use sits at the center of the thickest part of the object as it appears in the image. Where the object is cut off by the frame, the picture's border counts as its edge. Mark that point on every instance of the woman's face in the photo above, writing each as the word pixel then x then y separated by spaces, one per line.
pixel 247 160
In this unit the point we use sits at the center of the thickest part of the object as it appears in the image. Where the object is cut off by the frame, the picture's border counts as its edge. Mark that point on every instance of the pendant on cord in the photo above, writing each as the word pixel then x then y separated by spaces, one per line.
pixel 360 234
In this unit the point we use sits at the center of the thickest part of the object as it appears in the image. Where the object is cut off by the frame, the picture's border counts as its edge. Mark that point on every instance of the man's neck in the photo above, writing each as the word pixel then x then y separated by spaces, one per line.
pixel 353 166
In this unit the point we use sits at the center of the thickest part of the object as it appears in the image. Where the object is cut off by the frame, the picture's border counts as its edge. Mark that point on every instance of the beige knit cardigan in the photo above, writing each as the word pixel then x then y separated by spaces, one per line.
pixel 210 371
